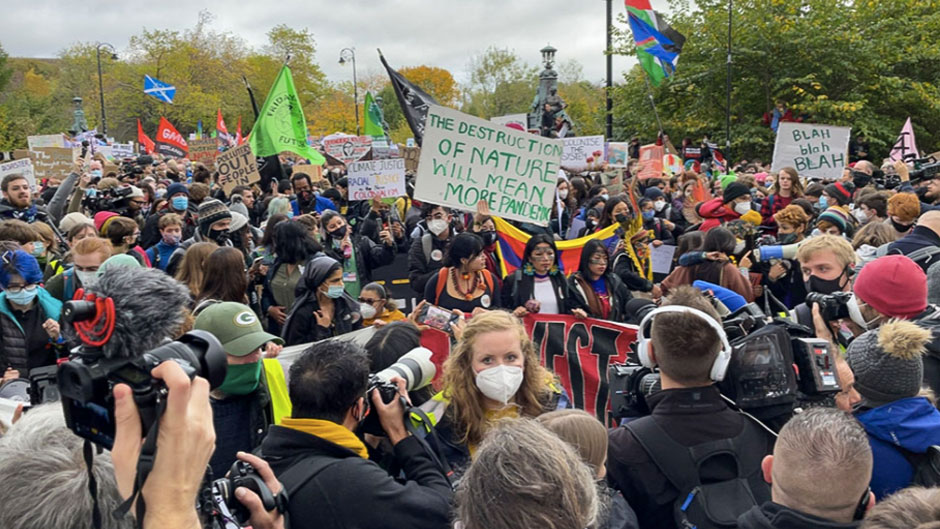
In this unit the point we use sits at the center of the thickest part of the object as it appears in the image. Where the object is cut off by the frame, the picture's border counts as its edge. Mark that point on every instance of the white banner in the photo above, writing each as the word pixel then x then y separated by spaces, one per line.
pixel 815 151
pixel 583 153
pixel 376 179
pixel 23 167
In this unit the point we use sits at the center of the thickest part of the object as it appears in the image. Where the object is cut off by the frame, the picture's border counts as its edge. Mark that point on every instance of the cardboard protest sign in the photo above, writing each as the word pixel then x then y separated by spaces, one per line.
pixel 516 119
pixel 55 162
pixel 466 159
pixel 237 166
pixel 651 162
pixel 376 179
pixel 815 151
pixel 46 140
pixel 23 167
pixel 347 149
pixel 618 153
pixel 204 151
pixel 411 156
pixel 583 153
pixel 315 172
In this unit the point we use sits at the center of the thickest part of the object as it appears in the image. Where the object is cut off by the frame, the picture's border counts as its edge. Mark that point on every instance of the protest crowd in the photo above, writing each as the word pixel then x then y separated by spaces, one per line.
pixel 274 333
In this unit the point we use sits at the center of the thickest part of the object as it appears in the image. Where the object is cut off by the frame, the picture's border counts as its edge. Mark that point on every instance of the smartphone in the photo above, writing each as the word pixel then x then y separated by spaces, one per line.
pixel 434 316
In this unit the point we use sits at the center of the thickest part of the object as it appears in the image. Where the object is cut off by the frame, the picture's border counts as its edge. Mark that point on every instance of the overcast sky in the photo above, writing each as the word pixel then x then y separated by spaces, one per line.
pixel 444 33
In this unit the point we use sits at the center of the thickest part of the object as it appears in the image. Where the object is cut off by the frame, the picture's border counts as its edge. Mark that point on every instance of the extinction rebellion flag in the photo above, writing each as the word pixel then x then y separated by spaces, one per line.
pixel 281 125
pixel 169 141
pixel 413 100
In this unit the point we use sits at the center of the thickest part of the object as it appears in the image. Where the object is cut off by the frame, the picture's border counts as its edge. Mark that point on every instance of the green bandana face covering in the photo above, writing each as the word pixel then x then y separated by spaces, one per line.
pixel 241 379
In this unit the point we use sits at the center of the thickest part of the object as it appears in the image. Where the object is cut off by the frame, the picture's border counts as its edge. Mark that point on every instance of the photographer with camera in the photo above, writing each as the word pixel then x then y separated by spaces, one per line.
pixel 827 263
pixel 819 474
pixel 932 183
pixel 652 460
pixel 326 469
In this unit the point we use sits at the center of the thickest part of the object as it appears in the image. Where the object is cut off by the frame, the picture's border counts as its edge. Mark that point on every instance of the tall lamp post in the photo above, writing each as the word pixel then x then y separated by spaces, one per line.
pixel 98 47
pixel 349 54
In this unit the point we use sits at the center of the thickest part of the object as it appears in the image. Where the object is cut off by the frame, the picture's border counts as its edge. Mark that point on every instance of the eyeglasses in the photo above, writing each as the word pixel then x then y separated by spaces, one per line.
pixel 16 289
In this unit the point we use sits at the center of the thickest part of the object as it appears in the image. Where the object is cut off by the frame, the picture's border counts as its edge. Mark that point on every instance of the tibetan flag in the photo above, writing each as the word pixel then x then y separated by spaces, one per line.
pixel 143 140
pixel 238 132
pixel 510 246
pixel 373 117
pixel 222 131
pixel 169 141
pixel 657 44
pixel 905 148
pixel 281 125
pixel 158 89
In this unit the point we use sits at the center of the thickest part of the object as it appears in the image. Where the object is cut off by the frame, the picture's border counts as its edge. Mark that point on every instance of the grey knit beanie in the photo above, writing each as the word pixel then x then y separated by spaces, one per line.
pixel 887 362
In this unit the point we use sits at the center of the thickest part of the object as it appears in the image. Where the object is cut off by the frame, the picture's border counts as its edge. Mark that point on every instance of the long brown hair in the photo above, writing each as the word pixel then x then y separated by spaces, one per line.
pixel 192 269
pixel 225 278
pixel 467 408
pixel 796 186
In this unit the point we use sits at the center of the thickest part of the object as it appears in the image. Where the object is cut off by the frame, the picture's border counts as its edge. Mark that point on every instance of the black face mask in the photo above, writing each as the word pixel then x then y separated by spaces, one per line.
pixel 219 236
pixel 860 179
pixel 621 218
pixel 825 286
pixel 489 237
pixel 338 233
pixel 788 238
pixel 898 226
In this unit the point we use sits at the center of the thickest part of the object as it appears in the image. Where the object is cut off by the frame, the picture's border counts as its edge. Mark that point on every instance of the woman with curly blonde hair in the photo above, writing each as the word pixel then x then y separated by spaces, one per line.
pixel 492 373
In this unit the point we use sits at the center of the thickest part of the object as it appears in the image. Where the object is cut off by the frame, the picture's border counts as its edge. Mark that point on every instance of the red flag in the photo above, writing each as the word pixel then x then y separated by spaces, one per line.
pixel 238 132
pixel 170 141
pixel 143 140
pixel 222 131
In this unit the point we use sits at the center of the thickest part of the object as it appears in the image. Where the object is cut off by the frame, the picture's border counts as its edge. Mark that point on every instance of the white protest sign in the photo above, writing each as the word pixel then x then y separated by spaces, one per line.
pixel 123 150
pixel 519 119
pixel 23 167
pixel 661 257
pixel 583 153
pixel 237 166
pixel 347 149
pixel 376 179
pixel 47 140
pixel 815 151
pixel 465 159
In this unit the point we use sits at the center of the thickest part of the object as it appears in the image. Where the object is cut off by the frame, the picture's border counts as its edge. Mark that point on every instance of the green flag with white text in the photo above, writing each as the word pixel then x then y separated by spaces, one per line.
pixel 373 117
pixel 281 125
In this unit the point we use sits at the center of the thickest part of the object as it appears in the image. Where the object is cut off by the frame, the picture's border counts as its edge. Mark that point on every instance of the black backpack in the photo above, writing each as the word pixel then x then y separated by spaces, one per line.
pixel 713 505
pixel 926 466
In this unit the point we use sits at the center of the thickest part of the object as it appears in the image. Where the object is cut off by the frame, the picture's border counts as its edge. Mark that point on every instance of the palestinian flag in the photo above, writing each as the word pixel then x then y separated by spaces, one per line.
pixel 657 44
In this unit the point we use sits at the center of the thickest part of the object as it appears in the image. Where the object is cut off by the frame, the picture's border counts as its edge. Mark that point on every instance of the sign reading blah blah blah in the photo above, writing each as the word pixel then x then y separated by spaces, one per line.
pixel 819 151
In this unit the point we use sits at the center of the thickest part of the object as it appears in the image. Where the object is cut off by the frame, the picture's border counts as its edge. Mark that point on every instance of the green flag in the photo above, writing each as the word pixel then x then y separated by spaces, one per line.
pixel 373 117
pixel 281 125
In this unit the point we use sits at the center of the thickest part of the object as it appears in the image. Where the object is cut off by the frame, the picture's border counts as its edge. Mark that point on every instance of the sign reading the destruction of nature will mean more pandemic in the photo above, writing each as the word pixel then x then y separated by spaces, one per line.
pixel 819 151
pixel 465 159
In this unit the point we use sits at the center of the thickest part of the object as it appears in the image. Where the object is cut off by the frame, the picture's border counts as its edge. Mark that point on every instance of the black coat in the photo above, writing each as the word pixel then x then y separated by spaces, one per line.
pixel 421 267
pixel 369 256
pixel 355 493
pixel 772 515
pixel 919 237
pixel 616 289
pixel 518 289
pixel 305 329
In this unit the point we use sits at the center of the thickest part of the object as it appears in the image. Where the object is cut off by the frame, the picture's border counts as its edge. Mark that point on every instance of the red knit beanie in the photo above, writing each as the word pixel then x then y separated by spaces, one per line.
pixel 894 286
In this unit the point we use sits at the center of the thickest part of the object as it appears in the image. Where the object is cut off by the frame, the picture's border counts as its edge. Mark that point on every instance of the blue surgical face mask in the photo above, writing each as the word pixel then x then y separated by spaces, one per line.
pixel 23 297
pixel 648 215
pixel 335 291
pixel 38 248
pixel 96 173
pixel 823 202
pixel 180 203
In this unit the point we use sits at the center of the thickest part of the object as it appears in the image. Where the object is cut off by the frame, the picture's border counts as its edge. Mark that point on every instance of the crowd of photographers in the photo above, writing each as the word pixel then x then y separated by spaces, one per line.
pixel 784 374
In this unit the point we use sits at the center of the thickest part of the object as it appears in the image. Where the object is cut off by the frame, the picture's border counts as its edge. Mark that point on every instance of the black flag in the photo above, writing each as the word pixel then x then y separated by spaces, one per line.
pixel 413 100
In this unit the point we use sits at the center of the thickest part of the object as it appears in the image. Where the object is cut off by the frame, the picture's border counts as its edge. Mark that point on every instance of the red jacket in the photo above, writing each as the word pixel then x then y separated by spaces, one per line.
pixel 715 214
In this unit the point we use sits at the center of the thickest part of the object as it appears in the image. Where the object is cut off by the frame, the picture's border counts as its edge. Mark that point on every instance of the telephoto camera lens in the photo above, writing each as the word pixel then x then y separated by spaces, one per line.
pixel 414 366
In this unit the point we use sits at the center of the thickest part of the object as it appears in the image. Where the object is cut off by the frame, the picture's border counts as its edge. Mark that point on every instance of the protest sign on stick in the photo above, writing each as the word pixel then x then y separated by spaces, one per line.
pixel 204 151
pixel 815 151
pixel 23 167
pixel 376 179
pixel 411 156
pixel 347 149
pixel 651 162
pixel 315 172
pixel 618 154
pixel 583 153
pixel 237 166
pixel 466 159
pixel 46 140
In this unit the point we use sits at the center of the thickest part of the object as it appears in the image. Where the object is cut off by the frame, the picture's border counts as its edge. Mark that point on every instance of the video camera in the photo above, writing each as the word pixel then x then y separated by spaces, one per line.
pixel 417 370
pixel 925 169
pixel 773 364
pixel 86 381
pixel 114 199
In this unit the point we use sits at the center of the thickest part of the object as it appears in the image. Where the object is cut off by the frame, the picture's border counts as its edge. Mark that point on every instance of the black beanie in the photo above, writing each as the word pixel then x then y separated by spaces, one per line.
pixel 733 191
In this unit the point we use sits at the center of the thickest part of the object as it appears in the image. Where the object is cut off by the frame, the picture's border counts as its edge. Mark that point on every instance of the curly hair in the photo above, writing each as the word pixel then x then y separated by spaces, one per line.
pixel 792 216
pixel 467 409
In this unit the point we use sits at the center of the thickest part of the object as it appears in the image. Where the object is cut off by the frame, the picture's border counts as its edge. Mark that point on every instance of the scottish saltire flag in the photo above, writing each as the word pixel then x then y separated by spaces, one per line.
pixel 510 246
pixel 657 44
pixel 158 89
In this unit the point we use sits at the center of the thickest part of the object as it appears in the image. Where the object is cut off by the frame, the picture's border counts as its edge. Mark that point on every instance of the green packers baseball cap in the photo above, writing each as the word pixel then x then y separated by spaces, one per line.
pixel 236 326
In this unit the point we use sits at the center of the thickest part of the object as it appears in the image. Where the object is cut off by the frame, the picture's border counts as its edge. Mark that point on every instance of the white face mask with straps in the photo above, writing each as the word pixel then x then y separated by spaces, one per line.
pixel 500 383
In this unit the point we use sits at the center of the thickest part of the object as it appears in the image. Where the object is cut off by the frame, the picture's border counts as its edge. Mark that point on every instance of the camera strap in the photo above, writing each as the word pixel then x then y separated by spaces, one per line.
pixel 420 433
pixel 145 460
pixel 92 484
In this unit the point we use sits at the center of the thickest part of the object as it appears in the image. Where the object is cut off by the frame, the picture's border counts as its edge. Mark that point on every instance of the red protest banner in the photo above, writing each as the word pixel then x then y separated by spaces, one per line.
pixel 169 141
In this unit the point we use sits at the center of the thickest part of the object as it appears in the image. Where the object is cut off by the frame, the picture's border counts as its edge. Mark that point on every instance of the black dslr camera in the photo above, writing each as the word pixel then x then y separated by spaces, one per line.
pixel 218 502
pixel 389 392
pixel 114 199
pixel 925 169
pixel 86 381
pixel 833 306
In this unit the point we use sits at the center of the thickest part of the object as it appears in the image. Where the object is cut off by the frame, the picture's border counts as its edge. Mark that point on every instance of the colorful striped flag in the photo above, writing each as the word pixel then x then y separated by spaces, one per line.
pixel 657 44
pixel 510 246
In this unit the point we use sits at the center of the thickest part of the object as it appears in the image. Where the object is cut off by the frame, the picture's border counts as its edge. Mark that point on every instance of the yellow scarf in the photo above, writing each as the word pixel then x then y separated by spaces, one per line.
pixel 328 431
pixel 509 412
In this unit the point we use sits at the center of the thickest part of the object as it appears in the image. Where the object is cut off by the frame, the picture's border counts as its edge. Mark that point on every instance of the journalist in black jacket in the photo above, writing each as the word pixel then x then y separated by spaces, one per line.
pixel 325 468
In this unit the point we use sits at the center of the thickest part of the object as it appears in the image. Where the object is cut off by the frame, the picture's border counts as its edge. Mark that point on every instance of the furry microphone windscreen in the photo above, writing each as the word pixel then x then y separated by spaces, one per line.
pixel 148 308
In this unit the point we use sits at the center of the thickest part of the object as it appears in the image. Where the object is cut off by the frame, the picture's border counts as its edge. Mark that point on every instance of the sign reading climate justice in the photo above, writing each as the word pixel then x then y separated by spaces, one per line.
pixel 813 150
pixel 465 159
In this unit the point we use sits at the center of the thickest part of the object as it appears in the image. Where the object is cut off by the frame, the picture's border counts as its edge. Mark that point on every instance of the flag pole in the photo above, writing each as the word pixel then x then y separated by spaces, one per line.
pixel 649 92
pixel 610 74
pixel 728 89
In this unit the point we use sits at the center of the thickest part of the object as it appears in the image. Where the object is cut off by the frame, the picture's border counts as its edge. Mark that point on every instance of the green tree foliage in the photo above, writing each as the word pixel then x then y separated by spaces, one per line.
pixel 865 64
pixel 500 83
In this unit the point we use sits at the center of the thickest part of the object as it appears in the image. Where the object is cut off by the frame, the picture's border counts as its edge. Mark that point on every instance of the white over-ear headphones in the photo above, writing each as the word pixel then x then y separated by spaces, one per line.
pixel 719 368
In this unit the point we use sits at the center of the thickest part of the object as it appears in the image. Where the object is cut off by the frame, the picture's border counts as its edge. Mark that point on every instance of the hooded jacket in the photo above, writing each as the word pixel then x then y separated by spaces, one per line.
pixel 772 515
pixel 715 214
pixel 919 237
pixel 910 424
pixel 301 325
